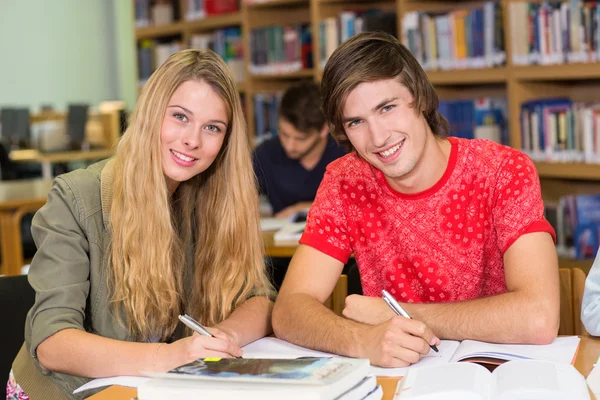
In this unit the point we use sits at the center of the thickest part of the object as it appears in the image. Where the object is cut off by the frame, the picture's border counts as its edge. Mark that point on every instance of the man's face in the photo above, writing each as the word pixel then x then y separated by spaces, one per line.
pixel 297 144
pixel 384 129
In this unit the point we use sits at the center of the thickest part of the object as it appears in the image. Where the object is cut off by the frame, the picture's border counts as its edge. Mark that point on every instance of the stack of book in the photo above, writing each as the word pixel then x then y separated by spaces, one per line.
pixel 320 378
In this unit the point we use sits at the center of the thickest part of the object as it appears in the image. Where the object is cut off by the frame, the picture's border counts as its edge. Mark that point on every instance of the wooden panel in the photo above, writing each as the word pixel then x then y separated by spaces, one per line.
pixel 566 303
pixel 556 72
pixel 275 4
pixel 214 22
pixel 340 292
pixel 327 10
pixel 578 281
pixel 151 32
pixel 277 16
pixel 577 171
pixel 468 76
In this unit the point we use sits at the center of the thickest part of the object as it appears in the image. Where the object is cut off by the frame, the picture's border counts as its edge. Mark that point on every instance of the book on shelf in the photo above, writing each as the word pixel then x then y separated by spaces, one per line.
pixel 460 39
pixel 333 31
pixel 280 49
pixel 554 32
pixel 253 378
pixel 200 9
pixel 514 380
pixel 560 130
pixel 266 115
pixel 227 43
pixel 480 118
pixel 561 350
pixel 578 226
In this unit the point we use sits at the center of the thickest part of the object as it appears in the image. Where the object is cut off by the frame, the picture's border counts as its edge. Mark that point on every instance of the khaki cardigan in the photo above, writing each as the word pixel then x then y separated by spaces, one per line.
pixel 68 274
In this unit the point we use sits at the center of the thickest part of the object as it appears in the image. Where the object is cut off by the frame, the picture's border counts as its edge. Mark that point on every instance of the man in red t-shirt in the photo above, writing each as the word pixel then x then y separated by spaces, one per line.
pixel 452 228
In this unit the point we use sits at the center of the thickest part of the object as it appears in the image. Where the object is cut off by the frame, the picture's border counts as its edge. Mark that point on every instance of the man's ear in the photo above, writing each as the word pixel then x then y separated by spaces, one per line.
pixel 324 131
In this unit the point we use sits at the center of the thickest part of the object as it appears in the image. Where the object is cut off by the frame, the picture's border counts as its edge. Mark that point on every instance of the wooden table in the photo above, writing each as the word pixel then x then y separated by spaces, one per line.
pixel 587 356
pixel 17 198
pixel 277 251
pixel 47 159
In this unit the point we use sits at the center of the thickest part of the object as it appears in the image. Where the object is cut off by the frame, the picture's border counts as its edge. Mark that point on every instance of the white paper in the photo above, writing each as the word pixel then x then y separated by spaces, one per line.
pixel 593 380
pixel 271 347
pixel 130 381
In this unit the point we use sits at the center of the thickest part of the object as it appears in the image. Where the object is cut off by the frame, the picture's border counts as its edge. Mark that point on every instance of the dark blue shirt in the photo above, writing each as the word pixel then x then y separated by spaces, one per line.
pixel 286 182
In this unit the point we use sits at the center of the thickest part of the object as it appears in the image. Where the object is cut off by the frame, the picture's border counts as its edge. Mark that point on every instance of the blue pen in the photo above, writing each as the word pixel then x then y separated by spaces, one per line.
pixel 397 308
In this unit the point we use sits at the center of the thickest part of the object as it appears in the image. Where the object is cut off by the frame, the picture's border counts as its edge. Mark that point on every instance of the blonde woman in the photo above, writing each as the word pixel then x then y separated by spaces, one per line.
pixel 169 226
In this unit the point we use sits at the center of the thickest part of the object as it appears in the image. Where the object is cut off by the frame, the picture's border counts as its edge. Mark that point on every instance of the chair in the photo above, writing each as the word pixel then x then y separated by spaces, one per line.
pixel 16 298
pixel 572 283
pixel 337 300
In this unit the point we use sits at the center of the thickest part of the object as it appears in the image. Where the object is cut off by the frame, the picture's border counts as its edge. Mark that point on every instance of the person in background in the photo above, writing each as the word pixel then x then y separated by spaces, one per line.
pixel 453 229
pixel 128 244
pixel 290 166
pixel 590 308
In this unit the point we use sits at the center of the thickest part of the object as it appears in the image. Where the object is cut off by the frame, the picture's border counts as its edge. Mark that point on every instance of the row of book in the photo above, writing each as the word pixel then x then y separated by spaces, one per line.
pixel 554 32
pixel 576 220
pixel 149 12
pixel 226 42
pixel 481 118
pixel 266 115
pixel 560 130
pixel 280 49
pixel 199 9
pixel 460 39
pixel 333 31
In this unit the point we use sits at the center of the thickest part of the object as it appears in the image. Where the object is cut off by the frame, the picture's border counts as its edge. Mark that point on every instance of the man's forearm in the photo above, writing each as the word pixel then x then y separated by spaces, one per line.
pixel 506 318
pixel 301 319
pixel 250 321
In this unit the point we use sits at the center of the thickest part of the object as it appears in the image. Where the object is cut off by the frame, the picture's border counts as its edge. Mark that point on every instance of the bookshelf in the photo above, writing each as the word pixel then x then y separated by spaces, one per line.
pixel 518 83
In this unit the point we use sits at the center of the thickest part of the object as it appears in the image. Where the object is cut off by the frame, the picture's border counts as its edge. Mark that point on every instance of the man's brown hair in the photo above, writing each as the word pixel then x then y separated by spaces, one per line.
pixel 369 57
pixel 301 107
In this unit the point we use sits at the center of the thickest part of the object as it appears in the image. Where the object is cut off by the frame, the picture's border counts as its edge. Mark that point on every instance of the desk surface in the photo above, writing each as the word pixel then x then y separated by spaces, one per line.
pixel 31 155
pixel 586 357
pixel 276 251
pixel 18 193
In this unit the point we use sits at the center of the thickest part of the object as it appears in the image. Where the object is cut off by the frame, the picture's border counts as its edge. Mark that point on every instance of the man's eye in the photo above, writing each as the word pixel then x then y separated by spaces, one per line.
pixel 354 123
pixel 387 108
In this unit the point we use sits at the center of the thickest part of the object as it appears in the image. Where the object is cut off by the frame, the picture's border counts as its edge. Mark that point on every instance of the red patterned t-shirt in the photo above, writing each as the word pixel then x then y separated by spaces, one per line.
pixel 443 244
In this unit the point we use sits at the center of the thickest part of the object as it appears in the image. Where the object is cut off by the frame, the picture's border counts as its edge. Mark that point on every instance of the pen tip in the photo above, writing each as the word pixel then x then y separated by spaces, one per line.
pixel 434 347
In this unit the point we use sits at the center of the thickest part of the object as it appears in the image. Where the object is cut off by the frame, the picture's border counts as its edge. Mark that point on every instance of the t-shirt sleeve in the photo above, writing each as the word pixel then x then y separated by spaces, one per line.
pixel 518 208
pixel 60 270
pixel 326 227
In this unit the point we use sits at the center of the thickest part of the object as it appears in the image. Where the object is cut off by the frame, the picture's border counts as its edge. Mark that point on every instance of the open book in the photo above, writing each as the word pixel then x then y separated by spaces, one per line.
pixel 514 380
pixel 562 350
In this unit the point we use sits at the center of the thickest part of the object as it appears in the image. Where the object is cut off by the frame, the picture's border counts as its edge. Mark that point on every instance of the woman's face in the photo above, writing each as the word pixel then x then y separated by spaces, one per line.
pixel 192 132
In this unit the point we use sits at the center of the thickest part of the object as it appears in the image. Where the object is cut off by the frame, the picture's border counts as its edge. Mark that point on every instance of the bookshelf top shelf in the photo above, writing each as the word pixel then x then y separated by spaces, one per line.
pixel 215 22
pixel 305 73
pixel 275 3
pixel 468 76
pixel 554 72
pixel 577 171
pixel 150 32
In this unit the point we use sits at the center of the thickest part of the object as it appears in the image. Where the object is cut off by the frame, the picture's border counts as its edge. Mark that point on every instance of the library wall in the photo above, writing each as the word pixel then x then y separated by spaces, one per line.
pixel 61 51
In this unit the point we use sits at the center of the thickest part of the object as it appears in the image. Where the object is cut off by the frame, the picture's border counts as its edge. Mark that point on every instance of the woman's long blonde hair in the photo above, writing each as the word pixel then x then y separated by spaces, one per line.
pixel 217 209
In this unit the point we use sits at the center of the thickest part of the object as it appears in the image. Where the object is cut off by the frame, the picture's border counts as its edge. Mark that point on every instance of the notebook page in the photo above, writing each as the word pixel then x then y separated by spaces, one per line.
pixel 271 347
pixel 543 380
pixel 562 350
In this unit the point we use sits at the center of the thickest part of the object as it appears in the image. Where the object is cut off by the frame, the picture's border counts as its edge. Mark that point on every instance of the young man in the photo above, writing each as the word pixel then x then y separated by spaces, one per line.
pixel 290 167
pixel 452 228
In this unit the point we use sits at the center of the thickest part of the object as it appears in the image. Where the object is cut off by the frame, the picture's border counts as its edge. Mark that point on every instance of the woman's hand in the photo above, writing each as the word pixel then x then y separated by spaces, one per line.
pixel 188 349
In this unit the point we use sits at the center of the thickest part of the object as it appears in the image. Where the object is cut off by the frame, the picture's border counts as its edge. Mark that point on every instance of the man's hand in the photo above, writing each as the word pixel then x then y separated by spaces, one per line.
pixel 367 309
pixel 398 342
pixel 289 211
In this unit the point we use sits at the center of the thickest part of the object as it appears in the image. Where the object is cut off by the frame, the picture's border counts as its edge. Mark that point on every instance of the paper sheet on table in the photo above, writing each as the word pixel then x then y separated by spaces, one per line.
pixel 271 347
pixel 130 381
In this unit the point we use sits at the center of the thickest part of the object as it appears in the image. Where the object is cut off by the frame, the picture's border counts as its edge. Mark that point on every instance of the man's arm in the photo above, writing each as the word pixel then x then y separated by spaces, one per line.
pixel 288 211
pixel 300 317
pixel 528 313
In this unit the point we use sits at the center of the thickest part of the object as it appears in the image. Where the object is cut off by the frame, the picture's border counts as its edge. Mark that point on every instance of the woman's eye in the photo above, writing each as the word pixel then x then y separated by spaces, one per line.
pixel 213 128
pixel 180 116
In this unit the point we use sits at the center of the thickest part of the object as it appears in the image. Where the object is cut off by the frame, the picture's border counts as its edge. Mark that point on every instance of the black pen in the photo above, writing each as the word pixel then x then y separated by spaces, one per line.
pixel 196 326
pixel 397 308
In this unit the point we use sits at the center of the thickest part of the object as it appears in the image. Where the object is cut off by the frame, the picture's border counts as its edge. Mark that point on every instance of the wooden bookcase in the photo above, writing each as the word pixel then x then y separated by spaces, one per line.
pixel 581 82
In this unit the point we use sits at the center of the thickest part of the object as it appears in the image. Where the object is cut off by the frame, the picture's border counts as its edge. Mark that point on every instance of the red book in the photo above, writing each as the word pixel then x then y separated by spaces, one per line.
pixel 214 7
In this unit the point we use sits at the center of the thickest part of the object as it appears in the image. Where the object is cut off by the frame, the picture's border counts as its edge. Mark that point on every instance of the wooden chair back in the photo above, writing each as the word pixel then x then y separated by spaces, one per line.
pixel 572 282
pixel 336 301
